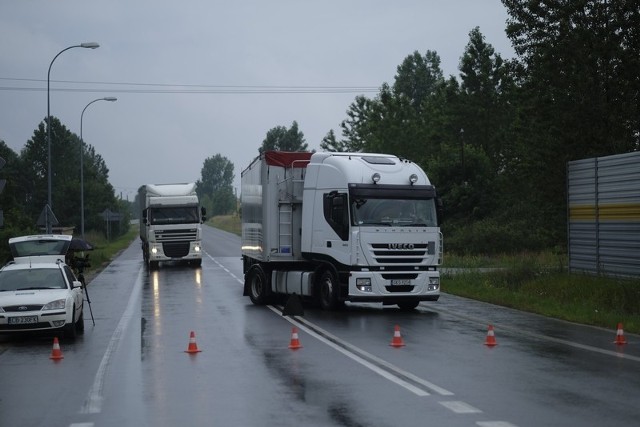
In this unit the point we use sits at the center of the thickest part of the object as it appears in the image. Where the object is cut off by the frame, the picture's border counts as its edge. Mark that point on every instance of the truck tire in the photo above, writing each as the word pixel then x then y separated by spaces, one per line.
pixel 408 305
pixel 328 290
pixel 257 284
pixel 153 265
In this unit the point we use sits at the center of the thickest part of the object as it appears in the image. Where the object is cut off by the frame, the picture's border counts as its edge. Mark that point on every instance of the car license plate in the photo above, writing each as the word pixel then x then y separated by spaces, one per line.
pixel 400 282
pixel 22 320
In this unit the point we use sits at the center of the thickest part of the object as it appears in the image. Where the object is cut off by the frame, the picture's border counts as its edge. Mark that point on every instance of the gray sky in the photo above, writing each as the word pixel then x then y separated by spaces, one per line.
pixel 153 53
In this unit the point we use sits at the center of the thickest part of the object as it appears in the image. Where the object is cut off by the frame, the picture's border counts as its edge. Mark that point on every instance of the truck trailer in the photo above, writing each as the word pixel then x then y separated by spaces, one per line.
pixel 170 223
pixel 336 227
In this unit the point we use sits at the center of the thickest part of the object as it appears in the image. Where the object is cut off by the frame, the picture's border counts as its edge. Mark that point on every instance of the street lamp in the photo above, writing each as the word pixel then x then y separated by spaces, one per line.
pixel 89 45
pixel 110 99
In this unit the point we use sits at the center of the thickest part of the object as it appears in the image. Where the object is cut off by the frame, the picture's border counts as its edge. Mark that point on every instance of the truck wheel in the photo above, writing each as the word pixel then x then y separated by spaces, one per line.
pixel 196 262
pixel 153 265
pixel 409 305
pixel 257 284
pixel 328 290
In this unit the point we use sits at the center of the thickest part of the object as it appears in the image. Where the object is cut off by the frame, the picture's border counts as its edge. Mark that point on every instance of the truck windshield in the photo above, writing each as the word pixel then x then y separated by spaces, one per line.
pixel 174 215
pixel 393 212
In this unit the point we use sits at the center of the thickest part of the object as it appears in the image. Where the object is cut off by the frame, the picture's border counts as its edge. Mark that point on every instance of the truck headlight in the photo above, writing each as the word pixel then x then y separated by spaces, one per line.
pixel 434 284
pixel 196 248
pixel 363 284
pixel 154 250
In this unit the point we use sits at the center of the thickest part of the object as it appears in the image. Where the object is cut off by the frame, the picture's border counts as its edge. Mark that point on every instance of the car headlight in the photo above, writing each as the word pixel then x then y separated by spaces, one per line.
pixel 58 304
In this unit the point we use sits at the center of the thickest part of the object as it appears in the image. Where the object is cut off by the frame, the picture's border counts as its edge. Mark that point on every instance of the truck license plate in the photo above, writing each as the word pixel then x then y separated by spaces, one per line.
pixel 22 320
pixel 400 282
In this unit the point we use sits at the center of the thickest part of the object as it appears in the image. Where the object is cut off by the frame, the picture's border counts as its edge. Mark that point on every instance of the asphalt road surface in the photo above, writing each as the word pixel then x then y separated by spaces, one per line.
pixel 131 368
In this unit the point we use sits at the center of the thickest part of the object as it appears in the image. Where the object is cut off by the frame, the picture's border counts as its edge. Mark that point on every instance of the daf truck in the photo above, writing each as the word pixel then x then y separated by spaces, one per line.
pixel 170 224
pixel 336 227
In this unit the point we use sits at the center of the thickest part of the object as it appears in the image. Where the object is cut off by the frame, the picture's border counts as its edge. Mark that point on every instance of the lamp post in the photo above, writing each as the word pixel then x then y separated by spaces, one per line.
pixel 110 99
pixel 89 45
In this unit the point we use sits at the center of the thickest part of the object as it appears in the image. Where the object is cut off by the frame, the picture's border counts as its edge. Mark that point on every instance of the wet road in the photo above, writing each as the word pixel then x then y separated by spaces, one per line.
pixel 131 369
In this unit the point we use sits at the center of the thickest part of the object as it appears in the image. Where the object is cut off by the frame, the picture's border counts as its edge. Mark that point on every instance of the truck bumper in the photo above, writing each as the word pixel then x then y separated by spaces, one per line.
pixel 175 251
pixel 393 287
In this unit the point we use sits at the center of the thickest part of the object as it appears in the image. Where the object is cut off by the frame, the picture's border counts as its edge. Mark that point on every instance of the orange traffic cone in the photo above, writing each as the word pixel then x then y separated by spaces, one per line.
pixel 491 338
pixel 620 339
pixel 295 341
pixel 396 341
pixel 56 353
pixel 193 347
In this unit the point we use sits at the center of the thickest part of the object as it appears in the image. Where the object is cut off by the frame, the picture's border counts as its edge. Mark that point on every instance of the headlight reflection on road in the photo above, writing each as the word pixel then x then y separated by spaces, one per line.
pixel 156 301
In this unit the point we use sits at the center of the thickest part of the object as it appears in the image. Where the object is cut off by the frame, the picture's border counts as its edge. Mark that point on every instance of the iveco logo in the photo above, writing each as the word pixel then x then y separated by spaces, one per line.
pixel 23 308
pixel 400 245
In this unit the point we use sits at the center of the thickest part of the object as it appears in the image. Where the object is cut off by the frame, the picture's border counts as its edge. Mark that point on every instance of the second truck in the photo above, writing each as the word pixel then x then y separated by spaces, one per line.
pixel 170 223
pixel 336 227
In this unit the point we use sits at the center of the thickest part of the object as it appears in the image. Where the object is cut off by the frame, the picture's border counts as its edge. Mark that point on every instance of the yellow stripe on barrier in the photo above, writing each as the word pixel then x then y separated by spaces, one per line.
pixel 609 212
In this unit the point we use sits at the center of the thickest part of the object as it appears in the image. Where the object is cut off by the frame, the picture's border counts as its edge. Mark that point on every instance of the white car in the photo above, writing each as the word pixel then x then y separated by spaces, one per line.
pixel 38 291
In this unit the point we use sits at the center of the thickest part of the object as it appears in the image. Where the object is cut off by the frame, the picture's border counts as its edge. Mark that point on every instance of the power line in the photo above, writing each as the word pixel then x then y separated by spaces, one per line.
pixel 163 88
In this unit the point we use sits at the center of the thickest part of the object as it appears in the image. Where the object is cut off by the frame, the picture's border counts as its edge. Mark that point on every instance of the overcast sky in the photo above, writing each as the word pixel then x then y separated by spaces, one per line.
pixel 155 55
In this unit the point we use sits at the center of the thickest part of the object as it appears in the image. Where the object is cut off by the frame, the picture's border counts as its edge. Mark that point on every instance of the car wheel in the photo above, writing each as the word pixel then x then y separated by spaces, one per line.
pixel 80 323
pixel 258 286
pixel 70 330
pixel 328 290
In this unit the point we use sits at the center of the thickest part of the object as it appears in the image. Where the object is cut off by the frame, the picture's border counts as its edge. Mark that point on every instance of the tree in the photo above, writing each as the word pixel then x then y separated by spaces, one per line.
pixel 282 139
pixel 13 200
pixel 215 188
pixel 484 81
pixel 65 178
pixel 355 128
pixel 418 77
pixel 331 144
pixel 580 95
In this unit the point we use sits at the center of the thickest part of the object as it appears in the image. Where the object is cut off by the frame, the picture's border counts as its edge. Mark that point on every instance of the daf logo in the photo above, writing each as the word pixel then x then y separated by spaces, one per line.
pixel 23 308
pixel 400 245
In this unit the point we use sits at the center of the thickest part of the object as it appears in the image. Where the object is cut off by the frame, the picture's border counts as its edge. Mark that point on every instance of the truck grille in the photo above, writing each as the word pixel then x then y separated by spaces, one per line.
pixel 176 249
pixel 21 308
pixel 384 253
pixel 182 235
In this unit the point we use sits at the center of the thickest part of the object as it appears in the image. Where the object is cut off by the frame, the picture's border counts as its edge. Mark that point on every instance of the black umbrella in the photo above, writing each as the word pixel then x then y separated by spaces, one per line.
pixel 80 245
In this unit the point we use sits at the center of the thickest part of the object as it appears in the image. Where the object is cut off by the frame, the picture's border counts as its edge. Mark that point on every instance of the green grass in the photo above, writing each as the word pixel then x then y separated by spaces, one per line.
pixel 538 285
pixel 105 250
pixel 230 223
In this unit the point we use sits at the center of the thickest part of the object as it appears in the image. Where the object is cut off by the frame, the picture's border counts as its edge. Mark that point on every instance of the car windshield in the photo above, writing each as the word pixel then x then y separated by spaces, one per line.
pixel 32 278
pixel 393 212
pixel 38 247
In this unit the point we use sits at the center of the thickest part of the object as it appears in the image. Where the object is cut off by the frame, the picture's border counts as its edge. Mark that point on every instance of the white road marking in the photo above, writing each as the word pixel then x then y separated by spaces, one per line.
pixel 93 403
pixel 495 424
pixel 382 372
pixel 460 407
pixel 365 355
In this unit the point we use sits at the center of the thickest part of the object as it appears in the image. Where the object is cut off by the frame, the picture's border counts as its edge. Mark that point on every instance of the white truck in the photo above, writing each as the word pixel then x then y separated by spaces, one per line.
pixel 170 223
pixel 336 227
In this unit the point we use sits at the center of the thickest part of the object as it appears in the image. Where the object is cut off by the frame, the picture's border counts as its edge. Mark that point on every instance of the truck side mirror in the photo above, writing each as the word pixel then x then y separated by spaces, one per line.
pixel 439 210
pixel 144 217
pixel 203 213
